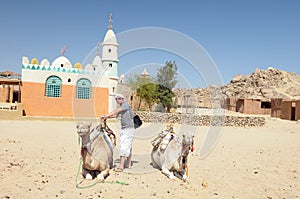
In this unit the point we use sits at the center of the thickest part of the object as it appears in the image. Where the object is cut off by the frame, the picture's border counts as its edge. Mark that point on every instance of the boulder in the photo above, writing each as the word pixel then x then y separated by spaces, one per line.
pixel 236 78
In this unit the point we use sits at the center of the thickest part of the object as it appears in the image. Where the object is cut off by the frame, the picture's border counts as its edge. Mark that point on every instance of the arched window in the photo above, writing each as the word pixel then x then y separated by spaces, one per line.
pixel 83 89
pixel 53 86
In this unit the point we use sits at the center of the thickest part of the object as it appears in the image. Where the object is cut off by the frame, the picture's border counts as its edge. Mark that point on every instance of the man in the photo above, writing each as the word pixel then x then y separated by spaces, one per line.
pixel 126 131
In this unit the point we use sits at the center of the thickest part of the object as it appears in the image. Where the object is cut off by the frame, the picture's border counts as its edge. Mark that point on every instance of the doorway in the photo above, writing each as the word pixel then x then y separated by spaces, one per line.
pixel 293 113
pixel 15 97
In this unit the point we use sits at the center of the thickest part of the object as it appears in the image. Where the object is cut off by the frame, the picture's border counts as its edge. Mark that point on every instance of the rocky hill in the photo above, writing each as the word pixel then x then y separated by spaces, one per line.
pixel 264 84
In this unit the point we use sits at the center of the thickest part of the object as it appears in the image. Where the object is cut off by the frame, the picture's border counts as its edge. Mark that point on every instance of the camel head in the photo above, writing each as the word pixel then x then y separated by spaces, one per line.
pixel 83 128
pixel 187 138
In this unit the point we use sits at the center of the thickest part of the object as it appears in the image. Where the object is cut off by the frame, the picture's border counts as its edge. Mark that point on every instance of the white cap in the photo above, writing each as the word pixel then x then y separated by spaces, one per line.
pixel 119 95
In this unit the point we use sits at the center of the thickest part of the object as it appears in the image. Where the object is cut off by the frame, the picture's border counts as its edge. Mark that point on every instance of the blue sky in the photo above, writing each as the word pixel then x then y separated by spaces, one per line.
pixel 238 35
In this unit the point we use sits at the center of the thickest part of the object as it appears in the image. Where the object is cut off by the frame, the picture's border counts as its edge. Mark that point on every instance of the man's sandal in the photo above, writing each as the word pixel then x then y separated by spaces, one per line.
pixel 118 169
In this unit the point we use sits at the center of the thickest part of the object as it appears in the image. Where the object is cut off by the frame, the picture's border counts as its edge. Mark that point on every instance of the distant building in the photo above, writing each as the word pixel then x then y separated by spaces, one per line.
pixel 276 106
pixel 248 106
pixel 290 109
pixel 10 87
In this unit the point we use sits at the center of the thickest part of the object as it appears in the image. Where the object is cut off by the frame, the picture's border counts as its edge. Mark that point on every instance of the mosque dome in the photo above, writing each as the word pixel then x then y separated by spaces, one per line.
pixel 78 65
pixel 62 61
pixel 25 60
pixel 88 67
pixel 34 61
pixel 45 62
pixel 110 37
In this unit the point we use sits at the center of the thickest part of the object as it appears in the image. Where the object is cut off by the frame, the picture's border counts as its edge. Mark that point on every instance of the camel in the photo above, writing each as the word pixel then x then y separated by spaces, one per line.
pixel 173 157
pixel 96 151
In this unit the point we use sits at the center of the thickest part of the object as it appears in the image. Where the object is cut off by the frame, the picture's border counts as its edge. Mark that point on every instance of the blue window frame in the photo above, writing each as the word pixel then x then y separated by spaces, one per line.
pixel 83 89
pixel 53 86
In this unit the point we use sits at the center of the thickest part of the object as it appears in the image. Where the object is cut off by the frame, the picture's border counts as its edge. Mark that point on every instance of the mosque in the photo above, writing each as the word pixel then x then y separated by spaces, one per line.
pixel 61 89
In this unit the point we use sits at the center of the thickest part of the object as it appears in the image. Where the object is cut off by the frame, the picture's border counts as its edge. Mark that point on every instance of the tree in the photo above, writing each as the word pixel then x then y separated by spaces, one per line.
pixel 159 92
pixel 165 96
pixel 136 81
pixel 156 94
pixel 167 79
pixel 167 75
pixel 148 92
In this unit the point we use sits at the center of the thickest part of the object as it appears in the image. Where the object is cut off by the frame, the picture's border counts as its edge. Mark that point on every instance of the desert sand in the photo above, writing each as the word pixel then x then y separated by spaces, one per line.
pixel 40 159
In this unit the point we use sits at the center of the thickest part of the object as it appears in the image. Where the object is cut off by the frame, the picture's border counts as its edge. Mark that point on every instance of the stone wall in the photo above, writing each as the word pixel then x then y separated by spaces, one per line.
pixel 202 120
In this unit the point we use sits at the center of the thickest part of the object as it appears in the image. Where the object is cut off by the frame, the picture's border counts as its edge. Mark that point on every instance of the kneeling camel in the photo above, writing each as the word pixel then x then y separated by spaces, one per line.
pixel 96 151
pixel 174 157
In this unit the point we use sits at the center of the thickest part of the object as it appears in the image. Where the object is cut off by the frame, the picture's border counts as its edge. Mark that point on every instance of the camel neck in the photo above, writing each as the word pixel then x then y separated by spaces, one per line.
pixel 85 139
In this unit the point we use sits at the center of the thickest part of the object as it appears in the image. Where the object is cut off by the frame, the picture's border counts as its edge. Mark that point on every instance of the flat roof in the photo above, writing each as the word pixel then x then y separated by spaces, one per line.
pixel 10 81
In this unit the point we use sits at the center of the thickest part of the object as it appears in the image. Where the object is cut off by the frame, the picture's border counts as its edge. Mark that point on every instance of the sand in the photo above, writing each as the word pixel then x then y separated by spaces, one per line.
pixel 40 159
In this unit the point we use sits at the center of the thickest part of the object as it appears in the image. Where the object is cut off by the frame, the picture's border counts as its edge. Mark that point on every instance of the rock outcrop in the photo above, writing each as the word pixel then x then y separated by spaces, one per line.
pixel 264 85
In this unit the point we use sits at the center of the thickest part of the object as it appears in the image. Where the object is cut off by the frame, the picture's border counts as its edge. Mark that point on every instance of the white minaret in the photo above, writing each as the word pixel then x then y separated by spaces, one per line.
pixel 110 61
pixel 110 48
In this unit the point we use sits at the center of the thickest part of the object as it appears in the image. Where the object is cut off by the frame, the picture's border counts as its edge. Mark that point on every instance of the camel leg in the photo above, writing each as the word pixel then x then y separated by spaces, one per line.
pixel 185 171
pixel 87 174
pixel 185 175
pixel 185 178
pixel 168 173
pixel 103 174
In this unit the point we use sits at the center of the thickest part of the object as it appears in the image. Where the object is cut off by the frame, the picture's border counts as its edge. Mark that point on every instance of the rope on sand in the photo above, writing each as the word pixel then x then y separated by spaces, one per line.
pixel 91 185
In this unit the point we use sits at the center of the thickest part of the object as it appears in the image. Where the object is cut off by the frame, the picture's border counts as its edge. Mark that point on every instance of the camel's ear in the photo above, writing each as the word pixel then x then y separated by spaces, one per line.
pixel 78 124
pixel 89 124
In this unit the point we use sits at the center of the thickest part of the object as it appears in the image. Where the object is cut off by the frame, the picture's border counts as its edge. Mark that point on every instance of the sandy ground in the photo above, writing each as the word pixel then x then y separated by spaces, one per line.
pixel 40 159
